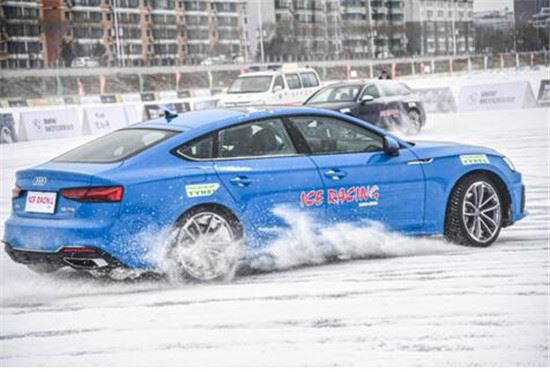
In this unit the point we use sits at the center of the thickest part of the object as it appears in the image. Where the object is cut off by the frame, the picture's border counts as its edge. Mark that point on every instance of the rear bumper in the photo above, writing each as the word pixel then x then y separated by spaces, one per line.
pixel 118 241
pixel 79 258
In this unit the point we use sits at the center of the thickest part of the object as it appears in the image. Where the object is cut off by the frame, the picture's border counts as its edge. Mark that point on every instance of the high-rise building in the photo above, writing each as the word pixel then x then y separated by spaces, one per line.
pixel 502 20
pixel 524 10
pixel 35 33
pixel 440 26
pixel 343 28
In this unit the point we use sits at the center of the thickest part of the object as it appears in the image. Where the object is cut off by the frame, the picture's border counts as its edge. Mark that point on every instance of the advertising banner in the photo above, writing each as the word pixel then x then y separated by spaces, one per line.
pixel 515 95
pixel 437 99
pixel 148 97
pixel 104 119
pixel 109 98
pixel 46 124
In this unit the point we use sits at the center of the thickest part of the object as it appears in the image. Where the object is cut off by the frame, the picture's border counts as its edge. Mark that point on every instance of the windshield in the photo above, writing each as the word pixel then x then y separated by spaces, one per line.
pixel 336 94
pixel 115 146
pixel 250 84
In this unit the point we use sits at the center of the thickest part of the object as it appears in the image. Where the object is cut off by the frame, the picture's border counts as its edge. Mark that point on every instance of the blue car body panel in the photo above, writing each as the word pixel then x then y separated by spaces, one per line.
pixel 407 193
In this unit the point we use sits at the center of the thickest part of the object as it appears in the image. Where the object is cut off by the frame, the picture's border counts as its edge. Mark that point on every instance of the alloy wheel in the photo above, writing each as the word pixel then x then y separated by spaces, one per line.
pixel 481 211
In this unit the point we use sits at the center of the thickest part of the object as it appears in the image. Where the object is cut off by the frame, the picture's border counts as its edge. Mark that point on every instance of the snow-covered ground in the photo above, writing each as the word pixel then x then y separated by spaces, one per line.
pixel 427 303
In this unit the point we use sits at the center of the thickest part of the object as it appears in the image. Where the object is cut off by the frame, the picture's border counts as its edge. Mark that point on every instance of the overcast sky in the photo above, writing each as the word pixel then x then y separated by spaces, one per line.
pixel 482 5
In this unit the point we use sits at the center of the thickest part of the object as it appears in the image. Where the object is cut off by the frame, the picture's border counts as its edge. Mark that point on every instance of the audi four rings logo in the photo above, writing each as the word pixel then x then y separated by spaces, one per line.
pixel 39 181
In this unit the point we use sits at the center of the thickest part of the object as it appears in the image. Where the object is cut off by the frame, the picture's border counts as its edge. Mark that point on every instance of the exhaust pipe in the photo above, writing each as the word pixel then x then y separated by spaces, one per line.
pixel 85 263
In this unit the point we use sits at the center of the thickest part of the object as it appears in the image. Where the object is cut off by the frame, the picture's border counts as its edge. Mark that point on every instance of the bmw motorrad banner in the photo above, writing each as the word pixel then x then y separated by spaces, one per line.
pixel 104 119
pixel 437 99
pixel 515 95
pixel 543 97
pixel 46 124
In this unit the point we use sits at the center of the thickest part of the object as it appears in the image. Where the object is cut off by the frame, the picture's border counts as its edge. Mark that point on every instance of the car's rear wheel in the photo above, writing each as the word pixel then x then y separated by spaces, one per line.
pixel 474 212
pixel 206 244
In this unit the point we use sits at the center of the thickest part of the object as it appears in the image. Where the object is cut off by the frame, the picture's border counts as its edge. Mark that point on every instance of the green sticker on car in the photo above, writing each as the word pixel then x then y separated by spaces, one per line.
pixel 474 159
pixel 201 189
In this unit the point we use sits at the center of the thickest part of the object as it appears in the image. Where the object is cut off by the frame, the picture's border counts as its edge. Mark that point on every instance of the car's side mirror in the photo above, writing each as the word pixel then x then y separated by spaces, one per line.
pixel 366 98
pixel 277 88
pixel 391 146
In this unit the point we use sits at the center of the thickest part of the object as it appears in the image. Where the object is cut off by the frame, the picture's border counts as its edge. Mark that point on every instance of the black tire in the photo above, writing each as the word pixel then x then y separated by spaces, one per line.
pixel 456 230
pixel 233 224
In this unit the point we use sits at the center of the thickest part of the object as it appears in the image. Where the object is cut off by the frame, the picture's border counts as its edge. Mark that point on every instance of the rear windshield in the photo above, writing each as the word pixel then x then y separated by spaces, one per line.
pixel 115 146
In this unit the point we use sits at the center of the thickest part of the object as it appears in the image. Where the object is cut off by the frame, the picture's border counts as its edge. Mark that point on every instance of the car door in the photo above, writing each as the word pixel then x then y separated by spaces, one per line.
pixel 258 164
pixel 360 180
pixel 294 88
pixel 279 91
pixel 369 110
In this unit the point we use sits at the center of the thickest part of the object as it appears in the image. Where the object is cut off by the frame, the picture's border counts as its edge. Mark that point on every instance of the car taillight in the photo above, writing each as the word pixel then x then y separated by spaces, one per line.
pixel 16 192
pixel 78 250
pixel 94 194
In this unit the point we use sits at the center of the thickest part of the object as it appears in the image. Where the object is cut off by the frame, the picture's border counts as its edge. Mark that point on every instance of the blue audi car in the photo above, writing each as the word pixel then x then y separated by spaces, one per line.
pixel 206 181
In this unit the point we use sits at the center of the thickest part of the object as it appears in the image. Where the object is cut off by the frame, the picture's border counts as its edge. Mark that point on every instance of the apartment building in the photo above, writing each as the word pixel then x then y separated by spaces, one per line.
pixel 21 38
pixel 121 32
pixel 440 26
pixel 344 28
pixel 501 20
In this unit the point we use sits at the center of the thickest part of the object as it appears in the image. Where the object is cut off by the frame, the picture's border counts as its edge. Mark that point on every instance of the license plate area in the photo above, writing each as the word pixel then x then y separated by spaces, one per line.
pixel 40 202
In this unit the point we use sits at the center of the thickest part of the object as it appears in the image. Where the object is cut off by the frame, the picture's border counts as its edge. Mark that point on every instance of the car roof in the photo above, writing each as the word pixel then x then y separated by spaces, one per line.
pixel 277 71
pixel 219 118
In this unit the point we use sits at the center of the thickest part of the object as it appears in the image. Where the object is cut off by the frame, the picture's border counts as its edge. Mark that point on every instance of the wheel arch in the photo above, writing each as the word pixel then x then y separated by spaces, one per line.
pixel 501 188
pixel 212 206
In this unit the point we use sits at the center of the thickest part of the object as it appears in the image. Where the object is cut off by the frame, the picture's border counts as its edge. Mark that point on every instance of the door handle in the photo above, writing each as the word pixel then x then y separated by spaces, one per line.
pixel 335 174
pixel 241 181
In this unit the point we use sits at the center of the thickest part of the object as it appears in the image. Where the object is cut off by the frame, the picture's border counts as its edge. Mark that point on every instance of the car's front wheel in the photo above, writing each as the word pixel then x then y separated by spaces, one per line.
pixel 474 212
pixel 206 244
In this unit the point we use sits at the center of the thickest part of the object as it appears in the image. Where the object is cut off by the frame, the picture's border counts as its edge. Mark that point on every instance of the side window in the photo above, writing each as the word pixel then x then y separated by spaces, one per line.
pixel 293 81
pixel 199 149
pixel 394 88
pixel 279 82
pixel 371 90
pixel 325 135
pixel 262 138
pixel 309 79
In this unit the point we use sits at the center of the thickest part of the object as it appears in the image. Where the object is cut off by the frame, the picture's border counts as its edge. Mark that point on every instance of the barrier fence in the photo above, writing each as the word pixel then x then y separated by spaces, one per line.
pixel 98 114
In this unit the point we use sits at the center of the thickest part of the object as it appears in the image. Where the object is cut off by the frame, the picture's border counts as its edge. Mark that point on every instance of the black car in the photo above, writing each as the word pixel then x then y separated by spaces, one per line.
pixel 385 103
